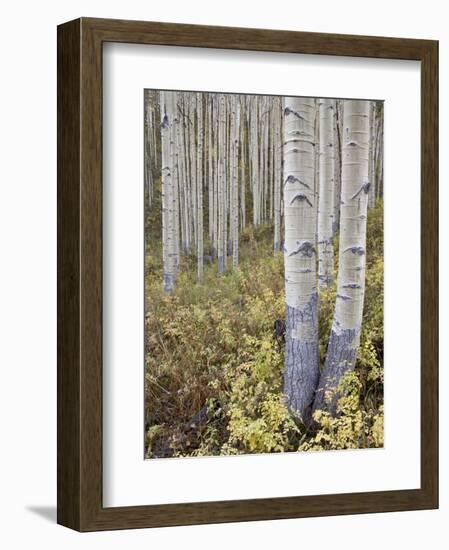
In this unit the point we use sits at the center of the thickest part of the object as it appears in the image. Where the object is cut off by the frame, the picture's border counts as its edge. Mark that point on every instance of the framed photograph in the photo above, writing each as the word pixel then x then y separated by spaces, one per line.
pixel 247 274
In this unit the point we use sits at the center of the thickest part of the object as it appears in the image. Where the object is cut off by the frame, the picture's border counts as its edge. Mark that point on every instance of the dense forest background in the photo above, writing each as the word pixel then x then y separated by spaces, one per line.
pixel 215 273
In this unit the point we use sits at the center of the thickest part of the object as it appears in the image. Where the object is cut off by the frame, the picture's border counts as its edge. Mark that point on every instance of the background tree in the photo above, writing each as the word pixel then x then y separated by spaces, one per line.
pixel 277 168
pixel 326 192
pixel 338 131
pixel 169 168
pixel 199 183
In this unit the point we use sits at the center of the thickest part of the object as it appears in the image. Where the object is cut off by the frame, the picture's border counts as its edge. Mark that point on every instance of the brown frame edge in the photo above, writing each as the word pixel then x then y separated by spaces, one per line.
pixel 80 274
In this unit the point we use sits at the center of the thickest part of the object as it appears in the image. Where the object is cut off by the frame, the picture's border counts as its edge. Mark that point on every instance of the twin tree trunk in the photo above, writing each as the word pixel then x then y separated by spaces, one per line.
pixel 302 389
pixel 345 334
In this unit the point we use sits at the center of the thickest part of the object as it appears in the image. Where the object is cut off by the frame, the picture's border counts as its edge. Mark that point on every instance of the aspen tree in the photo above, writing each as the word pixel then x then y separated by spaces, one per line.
pixel 235 127
pixel 338 112
pixel 221 184
pixel 254 153
pixel 147 144
pixel 345 334
pixel 371 158
pixel 378 160
pixel 193 196
pixel 210 173
pixel 182 178
pixel 326 192
pixel 168 101
pixel 243 159
pixel 156 134
pixel 277 169
pixel 301 337
pixel 176 175
pixel 216 172
pixel 199 184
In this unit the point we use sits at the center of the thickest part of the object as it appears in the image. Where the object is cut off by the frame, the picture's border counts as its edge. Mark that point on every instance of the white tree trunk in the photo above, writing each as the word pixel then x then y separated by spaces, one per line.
pixel 192 158
pixel 182 220
pixel 316 158
pixel 243 160
pixel 277 173
pixel 371 161
pixel 337 164
pixel 221 146
pixel 168 114
pixel 234 210
pixel 254 153
pixel 345 334
pixel 149 153
pixel 185 187
pixel 216 110
pixel 378 154
pixel 199 184
pixel 176 175
pixel 301 361
pixel 326 193
pixel 210 173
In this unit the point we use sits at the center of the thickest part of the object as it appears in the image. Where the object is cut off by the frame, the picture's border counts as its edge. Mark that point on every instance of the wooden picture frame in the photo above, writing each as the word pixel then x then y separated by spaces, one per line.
pixel 80 504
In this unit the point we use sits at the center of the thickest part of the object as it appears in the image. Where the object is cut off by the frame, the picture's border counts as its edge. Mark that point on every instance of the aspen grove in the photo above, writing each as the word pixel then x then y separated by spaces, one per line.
pixel 264 273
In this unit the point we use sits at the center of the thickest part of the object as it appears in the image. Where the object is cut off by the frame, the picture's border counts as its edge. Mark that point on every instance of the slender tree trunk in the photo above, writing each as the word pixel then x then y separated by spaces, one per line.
pixel 326 193
pixel 277 147
pixel 243 161
pixel 210 174
pixel 221 147
pixel 371 160
pixel 235 182
pixel 337 165
pixel 254 152
pixel 191 106
pixel 186 183
pixel 148 152
pixel 176 177
pixel 301 361
pixel 316 158
pixel 168 110
pixel 182 179
pixel 266 150
pixel 199 183
pixel 378 160
pixel 345 334
pixel 216 110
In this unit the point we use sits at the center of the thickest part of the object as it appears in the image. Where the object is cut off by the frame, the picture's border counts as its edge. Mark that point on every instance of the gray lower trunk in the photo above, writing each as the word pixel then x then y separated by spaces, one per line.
pixel 340 358
pixel 301 360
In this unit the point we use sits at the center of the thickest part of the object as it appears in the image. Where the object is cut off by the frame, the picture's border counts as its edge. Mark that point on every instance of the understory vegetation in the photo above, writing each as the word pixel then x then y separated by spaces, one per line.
pixel 214 360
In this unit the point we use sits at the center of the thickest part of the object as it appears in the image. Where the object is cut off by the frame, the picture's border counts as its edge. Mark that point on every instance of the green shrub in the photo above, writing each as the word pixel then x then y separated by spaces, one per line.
pixel 211 347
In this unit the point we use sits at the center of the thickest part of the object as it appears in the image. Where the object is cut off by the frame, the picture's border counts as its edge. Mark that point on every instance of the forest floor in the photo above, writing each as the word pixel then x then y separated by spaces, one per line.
pixel 214 363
